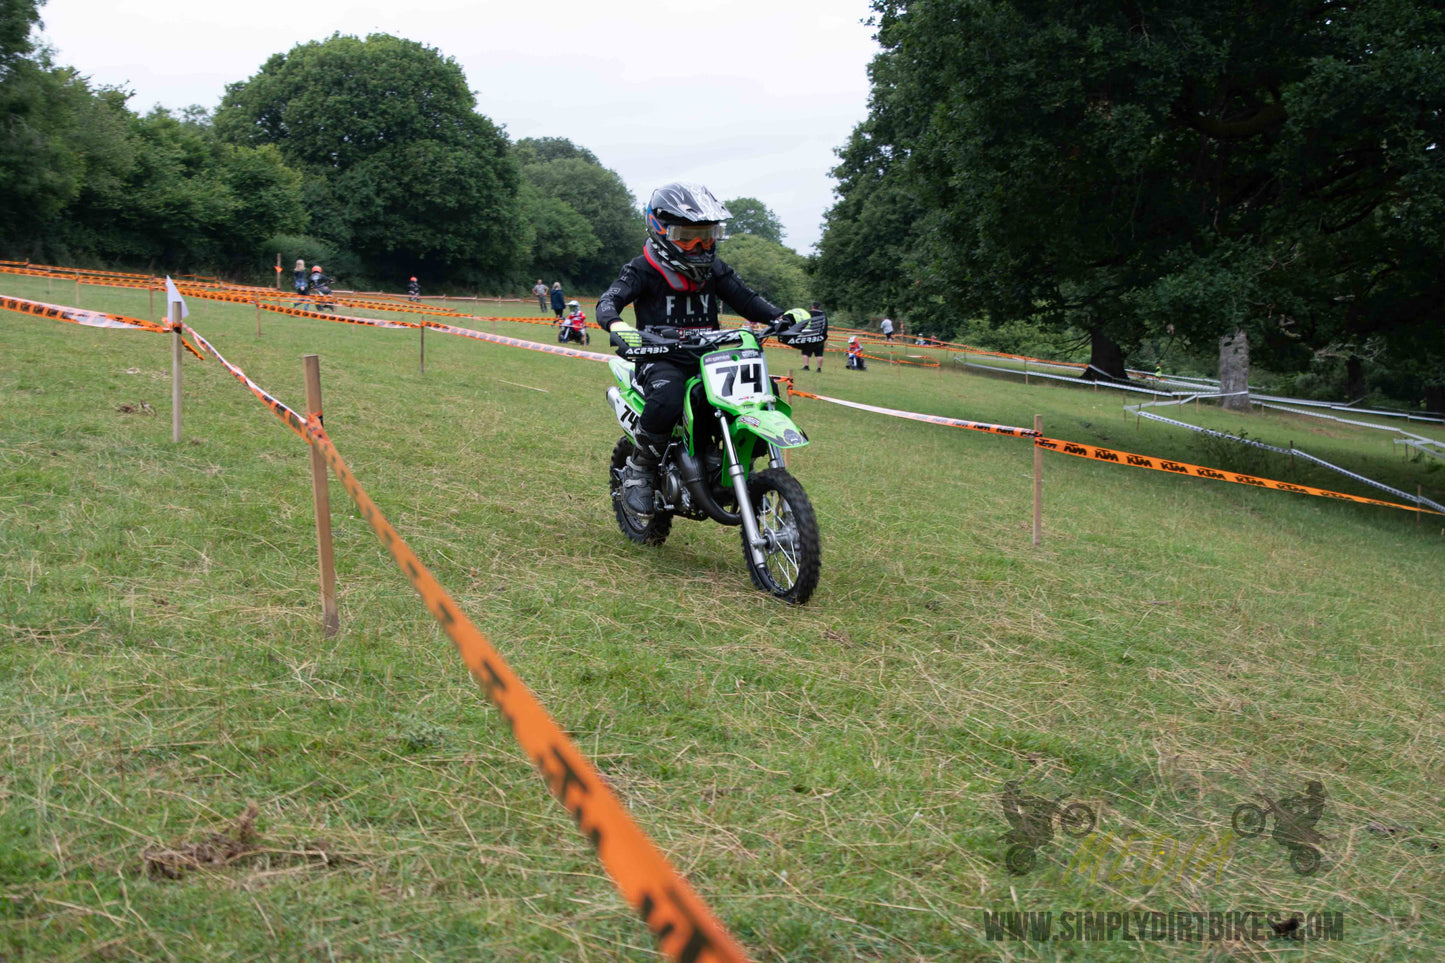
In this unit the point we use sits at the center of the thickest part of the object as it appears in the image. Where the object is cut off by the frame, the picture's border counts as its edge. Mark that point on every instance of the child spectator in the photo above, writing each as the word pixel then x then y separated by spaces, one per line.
pixel 298 280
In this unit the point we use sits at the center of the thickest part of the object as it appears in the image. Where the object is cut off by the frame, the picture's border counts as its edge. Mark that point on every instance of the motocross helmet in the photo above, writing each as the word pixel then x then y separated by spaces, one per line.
pixel 574 305
pixel 684 225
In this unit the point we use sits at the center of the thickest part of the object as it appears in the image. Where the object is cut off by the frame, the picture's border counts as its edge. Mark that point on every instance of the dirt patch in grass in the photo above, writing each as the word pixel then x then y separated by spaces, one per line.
pixel 238 844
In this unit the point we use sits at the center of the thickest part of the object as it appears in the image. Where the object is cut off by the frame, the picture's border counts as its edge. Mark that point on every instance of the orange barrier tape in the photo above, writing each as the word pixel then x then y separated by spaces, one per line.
pixel 1198 471
pixel 288 416
pixel 342 318
pixel 93 319
pixel 684 927
pixel 915 416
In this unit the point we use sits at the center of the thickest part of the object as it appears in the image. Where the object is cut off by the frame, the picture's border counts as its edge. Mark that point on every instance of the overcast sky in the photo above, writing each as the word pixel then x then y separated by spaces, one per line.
pixel 750 97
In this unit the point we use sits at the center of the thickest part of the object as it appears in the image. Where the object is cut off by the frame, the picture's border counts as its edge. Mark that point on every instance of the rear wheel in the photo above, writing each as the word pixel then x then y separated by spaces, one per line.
pixel 653 532
pixel 792 553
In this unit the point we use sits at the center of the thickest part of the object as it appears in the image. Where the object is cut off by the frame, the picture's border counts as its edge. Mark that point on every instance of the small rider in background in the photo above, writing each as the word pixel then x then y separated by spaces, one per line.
pixel 321 289
pixel 573 326
pixel 855 355
pixel 413 290
pixel 677 282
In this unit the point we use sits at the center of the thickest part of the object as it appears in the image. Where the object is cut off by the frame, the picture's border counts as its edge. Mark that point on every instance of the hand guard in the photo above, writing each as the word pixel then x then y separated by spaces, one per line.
pixel 800 328
pixel 633 344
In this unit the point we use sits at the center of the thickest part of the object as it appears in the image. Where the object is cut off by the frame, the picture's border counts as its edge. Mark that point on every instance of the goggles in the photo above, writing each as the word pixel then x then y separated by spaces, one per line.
pixel 693 237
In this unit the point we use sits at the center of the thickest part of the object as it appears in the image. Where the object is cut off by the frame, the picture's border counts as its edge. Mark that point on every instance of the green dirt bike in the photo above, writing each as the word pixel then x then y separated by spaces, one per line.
pixel 732 416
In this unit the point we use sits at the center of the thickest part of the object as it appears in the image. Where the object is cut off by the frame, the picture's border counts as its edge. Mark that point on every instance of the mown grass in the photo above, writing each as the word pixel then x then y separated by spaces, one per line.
pixel 827 777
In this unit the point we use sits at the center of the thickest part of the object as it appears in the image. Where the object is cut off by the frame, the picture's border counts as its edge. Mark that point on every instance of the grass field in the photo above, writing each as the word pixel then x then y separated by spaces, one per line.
pixel 193 771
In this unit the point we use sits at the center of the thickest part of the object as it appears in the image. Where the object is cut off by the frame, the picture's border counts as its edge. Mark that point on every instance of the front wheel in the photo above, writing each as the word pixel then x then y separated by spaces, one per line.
pixel 1248 820
pixel 792 550
pixel 653 532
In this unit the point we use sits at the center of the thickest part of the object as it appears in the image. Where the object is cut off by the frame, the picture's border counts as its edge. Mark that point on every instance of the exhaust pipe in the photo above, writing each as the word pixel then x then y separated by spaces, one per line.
pixel 698 489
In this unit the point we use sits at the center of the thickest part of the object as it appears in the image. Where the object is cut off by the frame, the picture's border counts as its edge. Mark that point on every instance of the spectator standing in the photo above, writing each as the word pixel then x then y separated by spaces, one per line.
pixel 559 302
pixel 540 290
pixel 887 328
pixel 814 350
pixel 299 282
pixel 413 290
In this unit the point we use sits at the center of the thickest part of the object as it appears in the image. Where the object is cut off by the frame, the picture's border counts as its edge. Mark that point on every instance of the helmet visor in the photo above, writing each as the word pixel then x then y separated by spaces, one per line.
pixel 694 237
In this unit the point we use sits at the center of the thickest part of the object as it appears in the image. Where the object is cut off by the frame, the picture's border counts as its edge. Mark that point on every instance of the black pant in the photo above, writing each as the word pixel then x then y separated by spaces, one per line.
pixel 664 383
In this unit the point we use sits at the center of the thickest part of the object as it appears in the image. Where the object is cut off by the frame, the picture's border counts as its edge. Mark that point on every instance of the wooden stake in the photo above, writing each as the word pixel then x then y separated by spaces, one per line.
pixel 278 274
pixel 321 500
pixel 1038 485
pixel 176 372
pixel 257 302
pixel 1419 504
pixel 1026 371
pixel 151 290
pixel 422 329
pixel 77 290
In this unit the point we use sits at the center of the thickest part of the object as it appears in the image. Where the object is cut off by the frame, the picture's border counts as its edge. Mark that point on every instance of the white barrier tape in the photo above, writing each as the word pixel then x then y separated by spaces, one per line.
pixel 518 342
pixel 1332 406
pixel 1344 421
pixel 1406 496
pixel 916 416
pixel 1181 401
pixel 1425 448
pixel 1075 379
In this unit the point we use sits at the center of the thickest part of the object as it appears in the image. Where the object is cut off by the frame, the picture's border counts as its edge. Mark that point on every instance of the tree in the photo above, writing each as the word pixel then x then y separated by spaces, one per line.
pixel 387 134
pixel 17 17
pixel 560 236
pixel 603 201
pixel 1263 168
pixel 181 197
pixel 867 261
pixel 539 150
pixel 774 271
pixel 752 216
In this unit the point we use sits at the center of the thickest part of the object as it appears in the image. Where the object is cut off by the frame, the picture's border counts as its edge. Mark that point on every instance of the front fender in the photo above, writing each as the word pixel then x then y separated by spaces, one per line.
pixel 774 427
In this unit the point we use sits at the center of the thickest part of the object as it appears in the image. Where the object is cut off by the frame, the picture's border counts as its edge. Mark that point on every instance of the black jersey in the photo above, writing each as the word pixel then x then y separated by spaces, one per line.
pixel 661 298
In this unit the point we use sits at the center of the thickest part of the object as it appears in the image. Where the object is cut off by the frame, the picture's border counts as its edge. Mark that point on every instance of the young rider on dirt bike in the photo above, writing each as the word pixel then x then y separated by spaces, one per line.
pixel 675 283
pixel 573 327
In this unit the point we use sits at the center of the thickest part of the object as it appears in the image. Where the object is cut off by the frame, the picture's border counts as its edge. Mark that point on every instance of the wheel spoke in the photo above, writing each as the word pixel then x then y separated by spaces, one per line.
pixel 776 523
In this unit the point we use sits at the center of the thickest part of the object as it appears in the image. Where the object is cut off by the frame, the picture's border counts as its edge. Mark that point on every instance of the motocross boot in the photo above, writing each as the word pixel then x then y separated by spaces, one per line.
pixel 639 472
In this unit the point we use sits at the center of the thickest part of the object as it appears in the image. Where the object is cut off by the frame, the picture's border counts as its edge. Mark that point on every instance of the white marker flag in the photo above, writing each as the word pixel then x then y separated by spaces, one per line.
pixel 174 297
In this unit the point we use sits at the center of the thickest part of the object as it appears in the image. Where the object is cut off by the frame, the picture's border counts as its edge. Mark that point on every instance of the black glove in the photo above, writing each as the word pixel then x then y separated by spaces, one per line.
pixel 633 344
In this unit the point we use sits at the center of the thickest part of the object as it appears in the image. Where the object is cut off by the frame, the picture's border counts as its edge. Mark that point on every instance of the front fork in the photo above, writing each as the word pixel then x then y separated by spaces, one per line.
pixel 740 487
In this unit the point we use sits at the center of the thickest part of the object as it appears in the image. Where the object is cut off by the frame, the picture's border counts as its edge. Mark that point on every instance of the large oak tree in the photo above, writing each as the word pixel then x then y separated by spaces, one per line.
pixel 1267 168
pixel 400 165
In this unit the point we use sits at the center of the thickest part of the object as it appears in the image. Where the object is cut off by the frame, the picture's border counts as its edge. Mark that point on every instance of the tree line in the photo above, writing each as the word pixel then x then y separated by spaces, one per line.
pixel 368 155
pixel 1263 180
